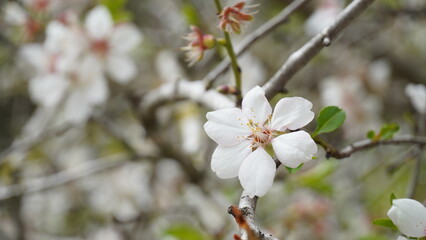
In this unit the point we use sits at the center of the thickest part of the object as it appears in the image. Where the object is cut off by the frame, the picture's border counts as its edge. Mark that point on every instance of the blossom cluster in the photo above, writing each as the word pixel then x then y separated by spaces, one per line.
pixel 71 66
pixel 231 19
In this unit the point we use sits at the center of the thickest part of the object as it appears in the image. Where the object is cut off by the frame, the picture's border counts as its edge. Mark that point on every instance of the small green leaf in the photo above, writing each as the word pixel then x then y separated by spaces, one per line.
pixel 388 130
pixel 293 170
pixel 371 134
pixel 385 222
pixel 329 119
pixel 392 197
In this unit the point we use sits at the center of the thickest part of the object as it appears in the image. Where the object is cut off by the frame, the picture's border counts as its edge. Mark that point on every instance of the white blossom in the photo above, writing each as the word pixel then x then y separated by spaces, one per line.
pixel 244 134
pixel 417 95
pixel 112 44
pixel 409 216
pixel 323 16
pixel 14 14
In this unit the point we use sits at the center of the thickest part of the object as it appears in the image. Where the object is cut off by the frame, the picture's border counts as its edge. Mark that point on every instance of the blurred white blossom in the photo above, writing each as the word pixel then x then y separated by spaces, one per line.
pixel 14 14
pixel 112 43
pixel 107 233
pixel 323 16
pixel 243 136
pixel 69 68
pixel 417 95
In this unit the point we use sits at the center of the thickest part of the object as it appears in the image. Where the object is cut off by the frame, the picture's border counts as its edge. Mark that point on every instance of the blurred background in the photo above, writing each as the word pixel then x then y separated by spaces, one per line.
pixel 87 151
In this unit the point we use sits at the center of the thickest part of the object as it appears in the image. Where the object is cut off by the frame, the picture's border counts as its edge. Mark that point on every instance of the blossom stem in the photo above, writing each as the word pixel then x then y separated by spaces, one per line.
pixel 232 56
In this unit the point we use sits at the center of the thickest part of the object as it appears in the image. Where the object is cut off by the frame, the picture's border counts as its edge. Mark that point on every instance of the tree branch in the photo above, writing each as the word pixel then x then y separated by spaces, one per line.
pixel 244 216
pixel 301 57
pixel 366 144
pixel 260 32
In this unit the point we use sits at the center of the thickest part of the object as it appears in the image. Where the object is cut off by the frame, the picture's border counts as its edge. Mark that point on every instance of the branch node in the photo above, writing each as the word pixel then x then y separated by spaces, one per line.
pixel 326 41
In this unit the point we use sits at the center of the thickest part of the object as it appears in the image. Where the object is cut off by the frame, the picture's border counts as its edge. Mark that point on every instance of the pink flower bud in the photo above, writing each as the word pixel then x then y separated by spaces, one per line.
pixel 197 44
pixel 232 18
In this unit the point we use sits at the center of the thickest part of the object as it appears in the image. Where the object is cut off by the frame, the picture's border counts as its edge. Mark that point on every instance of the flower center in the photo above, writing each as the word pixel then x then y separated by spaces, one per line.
pixel 100 47
pixel 261 134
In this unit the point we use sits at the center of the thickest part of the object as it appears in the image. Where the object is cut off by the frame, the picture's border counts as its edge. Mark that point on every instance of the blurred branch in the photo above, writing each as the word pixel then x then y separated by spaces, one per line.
pixel 64 177
pixel 307 52
pixel 23 145
pixel 366 144
pixel 411 191
pixel 248 41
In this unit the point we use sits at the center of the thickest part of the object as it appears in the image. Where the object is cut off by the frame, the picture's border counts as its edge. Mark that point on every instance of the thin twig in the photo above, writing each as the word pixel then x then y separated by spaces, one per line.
pixel 248 41
pixel 23 145
pixel 64 177
pixel 411 191
pixel 367 144
pixel 307 52
pixel 232 57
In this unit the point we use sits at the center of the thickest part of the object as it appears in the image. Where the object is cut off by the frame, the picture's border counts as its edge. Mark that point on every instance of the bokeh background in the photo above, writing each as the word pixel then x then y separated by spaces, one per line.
pixel 125 171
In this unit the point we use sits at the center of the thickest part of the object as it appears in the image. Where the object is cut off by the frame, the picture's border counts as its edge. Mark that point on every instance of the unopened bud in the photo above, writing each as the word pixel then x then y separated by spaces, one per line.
pixel 227 89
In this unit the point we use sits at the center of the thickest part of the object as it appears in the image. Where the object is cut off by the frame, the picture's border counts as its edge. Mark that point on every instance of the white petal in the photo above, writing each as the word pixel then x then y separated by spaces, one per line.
pixel 255 105
pixel 125 37
pixel 226 161
pixel 257 173
pixel 409 216
pixel 96 90
pixel 89 68
pixel 48 90
pixel 401 238
pixel 121 68
pixel 226 126
pixel 14 13
pixel 99 23
pixel 36 56
pixel 292 113
pixel 417 95
pixel 294 148
pixel 77 109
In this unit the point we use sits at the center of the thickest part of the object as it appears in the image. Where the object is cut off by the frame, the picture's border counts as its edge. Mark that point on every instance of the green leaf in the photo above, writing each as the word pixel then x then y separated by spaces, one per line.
pixel 185 232
pixel 293 170
pixel 373 236
pixel 371 134
pixel 385 222
pixel 117 9
pixel 329 119
pixel 388 130
pixel 392 197
pixel 191 14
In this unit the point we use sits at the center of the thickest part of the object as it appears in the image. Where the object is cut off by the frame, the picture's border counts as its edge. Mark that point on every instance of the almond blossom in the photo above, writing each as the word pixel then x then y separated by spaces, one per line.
pixel 112 43
pixel 197 44
pixel 64 76
pixel 244 136
pixel 52 63
pixel 409 216
pixel 323 16
pixel 232 17
pixel 417 95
